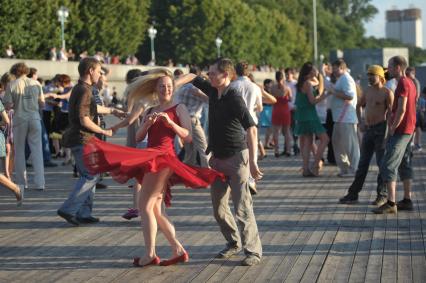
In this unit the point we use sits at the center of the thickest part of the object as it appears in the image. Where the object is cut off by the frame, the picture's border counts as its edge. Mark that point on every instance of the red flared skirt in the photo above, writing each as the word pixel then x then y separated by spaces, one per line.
pixel 124 163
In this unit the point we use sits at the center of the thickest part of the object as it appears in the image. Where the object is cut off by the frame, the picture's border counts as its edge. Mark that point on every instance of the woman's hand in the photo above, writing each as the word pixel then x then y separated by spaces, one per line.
pixel 150 119
pixel 163 116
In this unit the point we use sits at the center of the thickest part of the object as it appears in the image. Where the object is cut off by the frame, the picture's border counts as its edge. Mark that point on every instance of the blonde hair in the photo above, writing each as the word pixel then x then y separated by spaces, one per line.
pixel 143 89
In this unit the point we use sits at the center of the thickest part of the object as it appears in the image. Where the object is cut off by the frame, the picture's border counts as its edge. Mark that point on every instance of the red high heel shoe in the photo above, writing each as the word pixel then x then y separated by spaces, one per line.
pixel 182 258
pixel 155 261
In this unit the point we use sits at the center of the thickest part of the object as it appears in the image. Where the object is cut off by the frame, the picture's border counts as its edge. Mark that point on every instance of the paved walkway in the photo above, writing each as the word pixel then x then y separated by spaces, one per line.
pixel 306 235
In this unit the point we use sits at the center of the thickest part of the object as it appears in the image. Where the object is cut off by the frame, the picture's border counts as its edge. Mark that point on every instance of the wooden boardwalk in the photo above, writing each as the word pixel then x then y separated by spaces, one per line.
pixel 306 235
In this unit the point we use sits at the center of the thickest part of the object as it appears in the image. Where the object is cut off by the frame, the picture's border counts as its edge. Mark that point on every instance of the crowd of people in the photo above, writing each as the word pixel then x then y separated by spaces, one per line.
pixel 168 117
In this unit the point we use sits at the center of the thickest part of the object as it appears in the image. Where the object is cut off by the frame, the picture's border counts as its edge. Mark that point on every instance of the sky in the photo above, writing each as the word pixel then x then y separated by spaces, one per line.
pixel 376 27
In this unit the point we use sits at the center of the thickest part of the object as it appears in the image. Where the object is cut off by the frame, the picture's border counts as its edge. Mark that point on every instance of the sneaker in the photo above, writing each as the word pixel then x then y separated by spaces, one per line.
pixel 131 213
pixel 379 201
pixel 229 251
pixel 349 199
pixel 417 147
pixel 68 217
pixel 405 204
pixel 385 208
pixel 250 260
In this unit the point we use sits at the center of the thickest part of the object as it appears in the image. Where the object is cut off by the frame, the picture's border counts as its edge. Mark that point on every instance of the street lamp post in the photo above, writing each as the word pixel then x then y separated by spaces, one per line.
pixel 63 14
pixel 152 32
pixel 314 4
pixel 218 44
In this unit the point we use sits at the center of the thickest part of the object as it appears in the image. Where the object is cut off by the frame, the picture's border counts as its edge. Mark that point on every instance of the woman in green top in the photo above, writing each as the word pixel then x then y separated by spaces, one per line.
pixel 307 121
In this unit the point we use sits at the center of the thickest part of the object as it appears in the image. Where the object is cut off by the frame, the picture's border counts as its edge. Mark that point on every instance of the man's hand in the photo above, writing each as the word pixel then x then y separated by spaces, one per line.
pixel 118 113
pixel 255 171
pixel 108 133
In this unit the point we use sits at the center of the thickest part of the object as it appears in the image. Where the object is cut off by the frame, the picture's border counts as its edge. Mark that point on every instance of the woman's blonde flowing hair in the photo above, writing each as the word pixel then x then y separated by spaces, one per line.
pixel 143 89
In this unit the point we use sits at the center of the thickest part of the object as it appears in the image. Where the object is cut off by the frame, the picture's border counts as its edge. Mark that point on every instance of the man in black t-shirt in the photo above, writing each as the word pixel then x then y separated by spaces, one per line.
pixel 228 116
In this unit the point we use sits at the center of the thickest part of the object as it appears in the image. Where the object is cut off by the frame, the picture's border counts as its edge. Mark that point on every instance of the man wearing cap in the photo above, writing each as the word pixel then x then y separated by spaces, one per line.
pixel 398 155
pixel 377 104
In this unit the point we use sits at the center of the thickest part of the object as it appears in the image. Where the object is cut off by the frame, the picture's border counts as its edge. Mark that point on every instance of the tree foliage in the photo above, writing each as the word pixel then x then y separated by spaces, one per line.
pixel 272 32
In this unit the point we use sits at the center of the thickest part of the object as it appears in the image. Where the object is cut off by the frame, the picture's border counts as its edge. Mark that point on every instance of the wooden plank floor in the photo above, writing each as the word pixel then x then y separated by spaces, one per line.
pixel 306 235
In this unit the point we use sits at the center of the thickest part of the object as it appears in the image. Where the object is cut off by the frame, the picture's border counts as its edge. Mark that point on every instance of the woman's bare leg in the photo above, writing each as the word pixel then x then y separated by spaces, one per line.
pixel 136 191
pixel 276 135
pixel 10 186
pixel 152 188
pixel 288 139
pixel 167 228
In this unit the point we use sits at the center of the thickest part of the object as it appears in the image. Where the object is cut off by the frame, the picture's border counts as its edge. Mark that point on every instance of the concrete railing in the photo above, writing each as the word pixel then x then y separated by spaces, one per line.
pixel 48 69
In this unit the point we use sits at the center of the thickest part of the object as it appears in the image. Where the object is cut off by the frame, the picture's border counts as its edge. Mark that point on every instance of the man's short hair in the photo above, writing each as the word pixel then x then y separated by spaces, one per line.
pixel 242 68
pixel 289 71
pixel 177 72
pixel 225 65
pixel 410 70
pixel 133 74
pixel 279 76
pixel 340 63
pixel 399 61
pixel 86 64
pixel 19 69
pixel 32 72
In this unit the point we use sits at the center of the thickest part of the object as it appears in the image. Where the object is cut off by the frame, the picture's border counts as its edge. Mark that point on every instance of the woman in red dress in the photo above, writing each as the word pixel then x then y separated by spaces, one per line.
pixel 156 167
pixel 281 114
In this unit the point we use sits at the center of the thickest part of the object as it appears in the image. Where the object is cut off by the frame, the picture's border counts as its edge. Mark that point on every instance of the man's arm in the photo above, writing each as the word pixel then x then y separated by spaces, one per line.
pixel 109 110
pixel 184 80
pixel 389 104
pixel 399 115
pixel 252 147
pixel 90 125
pixel 198 93
pixel 361 104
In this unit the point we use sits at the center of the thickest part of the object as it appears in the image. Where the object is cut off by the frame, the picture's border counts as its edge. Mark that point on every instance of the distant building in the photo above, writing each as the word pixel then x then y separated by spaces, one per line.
pixel 405 26
pixel 358 60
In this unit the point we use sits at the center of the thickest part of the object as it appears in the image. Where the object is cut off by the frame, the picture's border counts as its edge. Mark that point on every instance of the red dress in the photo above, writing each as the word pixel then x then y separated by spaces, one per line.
pixel 281 115
pixel 125 163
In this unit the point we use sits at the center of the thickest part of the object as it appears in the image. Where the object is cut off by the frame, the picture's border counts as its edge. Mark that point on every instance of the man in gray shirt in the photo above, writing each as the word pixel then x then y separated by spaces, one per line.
pixel 25 96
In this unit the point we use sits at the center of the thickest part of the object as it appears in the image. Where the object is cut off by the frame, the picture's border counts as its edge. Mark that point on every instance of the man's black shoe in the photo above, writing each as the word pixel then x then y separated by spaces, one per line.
pixel 68 217
pixel 348 199
pixel 88 220
pixel 101 186
pixel 50 164
pixel 405 204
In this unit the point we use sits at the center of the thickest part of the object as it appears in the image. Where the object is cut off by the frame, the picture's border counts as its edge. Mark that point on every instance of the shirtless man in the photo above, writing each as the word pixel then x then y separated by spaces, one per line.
pixel 377 103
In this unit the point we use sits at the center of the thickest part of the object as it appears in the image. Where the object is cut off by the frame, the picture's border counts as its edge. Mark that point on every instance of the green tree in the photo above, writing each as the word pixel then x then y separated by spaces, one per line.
pixel 114 26
pixel 259 36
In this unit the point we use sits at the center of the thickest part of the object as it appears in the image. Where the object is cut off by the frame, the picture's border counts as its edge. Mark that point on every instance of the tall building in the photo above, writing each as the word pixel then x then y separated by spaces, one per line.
pixel 405 25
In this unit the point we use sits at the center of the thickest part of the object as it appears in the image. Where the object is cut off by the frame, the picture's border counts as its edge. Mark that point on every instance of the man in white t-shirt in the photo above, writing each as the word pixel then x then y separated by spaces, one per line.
pixel 252 96
pixel 343 107
pixel 251 93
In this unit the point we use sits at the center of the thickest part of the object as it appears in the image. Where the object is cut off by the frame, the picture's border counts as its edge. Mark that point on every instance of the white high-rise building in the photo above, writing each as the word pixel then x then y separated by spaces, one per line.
pixel 405 25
